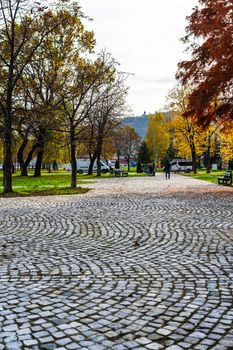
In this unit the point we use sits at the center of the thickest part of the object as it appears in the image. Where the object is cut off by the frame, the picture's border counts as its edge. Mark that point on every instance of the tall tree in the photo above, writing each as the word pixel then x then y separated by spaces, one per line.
pixel 210 135
pixel 130 142
pixel 190 140
pixel 227 146
pixel 157 138
pixel 105 114
pixel 78 97
pixel 47 73
pixel 185 131
pixel 117 141
pixel 210 70
pixel 21 33
pixel 144 155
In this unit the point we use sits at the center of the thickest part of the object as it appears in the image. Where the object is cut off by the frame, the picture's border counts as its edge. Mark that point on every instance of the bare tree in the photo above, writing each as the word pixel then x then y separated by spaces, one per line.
pixel 78 98
pixel 130 142
pixel 105 115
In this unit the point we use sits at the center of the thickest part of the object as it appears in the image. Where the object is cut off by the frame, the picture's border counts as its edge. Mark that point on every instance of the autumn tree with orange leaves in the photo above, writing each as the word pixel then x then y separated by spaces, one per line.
pixel 210 69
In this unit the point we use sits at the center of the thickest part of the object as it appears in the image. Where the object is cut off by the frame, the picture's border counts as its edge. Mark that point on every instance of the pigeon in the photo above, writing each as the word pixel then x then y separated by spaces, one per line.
pixel 136 244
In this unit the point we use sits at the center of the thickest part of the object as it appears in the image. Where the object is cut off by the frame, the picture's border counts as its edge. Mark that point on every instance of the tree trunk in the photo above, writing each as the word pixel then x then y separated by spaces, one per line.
pixel 30 154
pixel 7 178
pixel 128 162
pixel 99 151
pixel 98 165
pixel 7 171
pixel 23 168
pixel 39 158
pixel 208 165
pixel 92 161
pixel 13 168
pixel 55 166
pixel 41 143
pixel 194 161
pixel 73 160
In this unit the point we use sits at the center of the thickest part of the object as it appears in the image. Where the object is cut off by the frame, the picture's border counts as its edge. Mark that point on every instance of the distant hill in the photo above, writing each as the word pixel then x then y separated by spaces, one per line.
pixel 138 123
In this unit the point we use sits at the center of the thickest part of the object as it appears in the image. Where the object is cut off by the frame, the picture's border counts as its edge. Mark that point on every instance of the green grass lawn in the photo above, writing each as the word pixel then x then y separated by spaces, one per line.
pixel 201 175
pixel 54 183
pixel 57 183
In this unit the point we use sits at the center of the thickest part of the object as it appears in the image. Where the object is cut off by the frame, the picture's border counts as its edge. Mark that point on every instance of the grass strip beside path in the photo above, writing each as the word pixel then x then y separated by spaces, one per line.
pixel 47 185
pixel 48 192
pixel 202 175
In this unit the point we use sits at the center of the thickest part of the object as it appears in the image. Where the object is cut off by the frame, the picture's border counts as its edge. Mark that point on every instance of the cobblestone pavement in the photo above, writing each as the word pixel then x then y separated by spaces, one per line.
pixel 136 263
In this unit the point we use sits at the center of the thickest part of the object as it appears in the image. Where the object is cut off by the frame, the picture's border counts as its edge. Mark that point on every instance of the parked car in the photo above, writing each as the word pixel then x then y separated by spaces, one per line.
pixel 181 165
pixel 111 163
pixel 83 166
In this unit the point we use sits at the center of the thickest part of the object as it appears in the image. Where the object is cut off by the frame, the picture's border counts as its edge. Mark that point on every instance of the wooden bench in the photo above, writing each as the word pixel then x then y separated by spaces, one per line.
pixel 226 178
pixel 119 172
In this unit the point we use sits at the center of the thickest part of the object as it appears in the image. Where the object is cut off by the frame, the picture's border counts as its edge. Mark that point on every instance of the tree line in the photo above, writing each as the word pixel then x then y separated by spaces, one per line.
pixel 201 118
pixel 176 135
pixel 55 92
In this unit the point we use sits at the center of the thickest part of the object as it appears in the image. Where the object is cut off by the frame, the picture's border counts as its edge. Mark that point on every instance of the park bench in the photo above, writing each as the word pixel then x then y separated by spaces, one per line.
pixel 119 172
pixel 147 171
pixel 226 178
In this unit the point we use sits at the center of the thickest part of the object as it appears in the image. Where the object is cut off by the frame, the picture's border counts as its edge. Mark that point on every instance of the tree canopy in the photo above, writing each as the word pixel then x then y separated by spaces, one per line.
pixel 210 69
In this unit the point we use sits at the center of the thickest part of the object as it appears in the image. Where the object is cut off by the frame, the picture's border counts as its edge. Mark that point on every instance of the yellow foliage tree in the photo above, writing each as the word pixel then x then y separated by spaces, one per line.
pixel 227 145
pixel 191 141
pixel 157 138
pixel 188 138
pixel 55 149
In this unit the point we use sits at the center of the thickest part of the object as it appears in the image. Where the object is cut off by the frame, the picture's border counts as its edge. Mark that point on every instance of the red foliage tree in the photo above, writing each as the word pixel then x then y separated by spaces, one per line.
pixel 210 69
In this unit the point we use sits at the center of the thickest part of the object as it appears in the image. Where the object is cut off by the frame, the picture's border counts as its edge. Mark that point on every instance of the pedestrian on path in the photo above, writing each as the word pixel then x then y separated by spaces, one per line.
pixel 167 169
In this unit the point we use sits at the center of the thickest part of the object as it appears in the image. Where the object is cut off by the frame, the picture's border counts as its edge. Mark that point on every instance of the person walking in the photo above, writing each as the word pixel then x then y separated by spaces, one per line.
pixel 167 169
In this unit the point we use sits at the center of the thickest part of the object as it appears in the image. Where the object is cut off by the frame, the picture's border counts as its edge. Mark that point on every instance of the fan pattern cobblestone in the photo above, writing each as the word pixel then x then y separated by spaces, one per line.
pixel 136 263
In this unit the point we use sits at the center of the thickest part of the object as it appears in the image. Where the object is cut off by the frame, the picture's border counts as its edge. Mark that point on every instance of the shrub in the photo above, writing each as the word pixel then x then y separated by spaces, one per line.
pixel 117 164
pixel 139 167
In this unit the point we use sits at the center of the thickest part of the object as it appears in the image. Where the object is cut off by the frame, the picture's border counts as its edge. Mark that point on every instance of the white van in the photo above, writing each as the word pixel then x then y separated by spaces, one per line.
pixel 181 165
pixel 83 166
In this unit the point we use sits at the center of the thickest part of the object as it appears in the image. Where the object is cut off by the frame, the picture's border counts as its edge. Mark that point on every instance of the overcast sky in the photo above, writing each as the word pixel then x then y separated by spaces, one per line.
pixel 144 37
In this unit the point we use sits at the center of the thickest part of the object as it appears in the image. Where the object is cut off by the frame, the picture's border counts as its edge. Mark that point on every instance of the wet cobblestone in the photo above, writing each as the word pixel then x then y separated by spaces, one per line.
pixel 136 263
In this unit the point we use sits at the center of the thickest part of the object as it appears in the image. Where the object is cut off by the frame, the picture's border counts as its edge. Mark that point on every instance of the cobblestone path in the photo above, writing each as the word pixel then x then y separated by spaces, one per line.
pixel 136 263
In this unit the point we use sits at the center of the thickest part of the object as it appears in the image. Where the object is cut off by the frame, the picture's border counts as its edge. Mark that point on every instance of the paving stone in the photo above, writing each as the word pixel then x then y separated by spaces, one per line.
pixel 143 341
pixel 10 328
pixel 198 335
pixel 63 341
pixel 30 342
pixel 154 346
pixel 48 346
pixel 164 331
pixel 46 340
pixel 111 335
pixel 136 263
